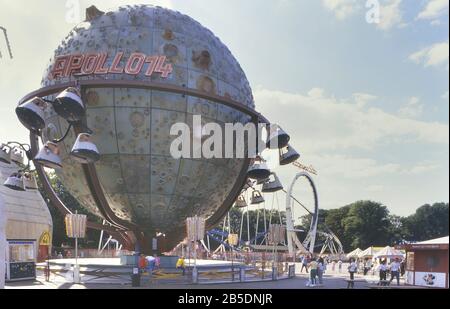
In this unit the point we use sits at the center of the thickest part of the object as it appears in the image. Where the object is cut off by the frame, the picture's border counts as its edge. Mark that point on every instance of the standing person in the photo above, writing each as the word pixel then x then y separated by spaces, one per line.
pixel 150 264
pixel 142 263
pixel 402 268
pixel 352 269
pixel 320 270
pixel 395 271
pixel 157 262
pixel 333 266
pixel 325 265
pixel 340 266
pixel 313 265
pixel 367 266
pixel 382 270
pixel 181 264
pixel 304 264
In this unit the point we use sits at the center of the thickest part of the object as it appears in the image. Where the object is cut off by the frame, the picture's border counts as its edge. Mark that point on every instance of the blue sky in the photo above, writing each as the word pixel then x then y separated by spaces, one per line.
pixel 366 104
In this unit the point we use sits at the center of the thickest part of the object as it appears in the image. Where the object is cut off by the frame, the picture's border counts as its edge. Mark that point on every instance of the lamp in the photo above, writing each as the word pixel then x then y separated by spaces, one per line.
pixel 278 138
pixel 241 202
pixel 15 182
pixel 5 154
pixel 68 104
pixel 258 170
pixel 17 156
pixel 272 185
pixel 29 181
pixel 288 155
pixel 84 150
pixel 48 156
pixel 257 198
pixel 31 114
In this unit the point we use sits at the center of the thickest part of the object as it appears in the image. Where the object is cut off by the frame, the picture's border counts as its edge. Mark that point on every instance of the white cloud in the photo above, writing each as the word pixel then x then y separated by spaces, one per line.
pixel 435 55
pixel 342 8
pixel 329 124
pixel 445 96
pixel 434 9
pixel 412 109
pixel 362 99
pixel 390 15
pixel 352 167
pixel 423 168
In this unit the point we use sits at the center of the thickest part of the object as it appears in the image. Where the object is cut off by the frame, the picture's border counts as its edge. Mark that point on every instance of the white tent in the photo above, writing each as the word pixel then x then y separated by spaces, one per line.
pixel 354 253
pixel 388 253
pixel 437 241
pixel 368 253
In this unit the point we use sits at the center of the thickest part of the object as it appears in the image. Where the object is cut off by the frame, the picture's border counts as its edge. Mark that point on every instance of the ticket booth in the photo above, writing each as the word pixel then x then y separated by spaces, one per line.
pixel 21 257
pixel 427 263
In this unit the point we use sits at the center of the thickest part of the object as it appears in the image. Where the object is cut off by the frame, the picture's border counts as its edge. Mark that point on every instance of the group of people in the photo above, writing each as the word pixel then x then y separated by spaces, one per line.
pixel 316 268
pixel 396 269
pixel 148 263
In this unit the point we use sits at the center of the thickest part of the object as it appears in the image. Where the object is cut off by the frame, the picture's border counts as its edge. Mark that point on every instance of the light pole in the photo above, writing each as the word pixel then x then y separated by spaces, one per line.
pixel 233 240
pixel 196 231
pixel 76 228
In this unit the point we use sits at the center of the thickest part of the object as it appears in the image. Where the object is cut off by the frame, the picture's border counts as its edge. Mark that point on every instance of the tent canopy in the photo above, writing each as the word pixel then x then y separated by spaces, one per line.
pixel 369 252
pixel 354 253
pixel 437 241
pixel 389 252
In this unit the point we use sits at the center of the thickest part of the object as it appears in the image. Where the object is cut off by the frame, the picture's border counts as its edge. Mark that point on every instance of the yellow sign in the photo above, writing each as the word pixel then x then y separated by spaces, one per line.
pixel 45 239
pixel 309 169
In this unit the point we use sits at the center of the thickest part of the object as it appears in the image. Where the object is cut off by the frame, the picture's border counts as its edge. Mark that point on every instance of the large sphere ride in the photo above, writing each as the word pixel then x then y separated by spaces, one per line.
pixel 144 187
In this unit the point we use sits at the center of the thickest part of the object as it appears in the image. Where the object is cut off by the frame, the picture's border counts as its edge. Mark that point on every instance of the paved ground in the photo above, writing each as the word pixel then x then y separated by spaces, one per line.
pixel 331 281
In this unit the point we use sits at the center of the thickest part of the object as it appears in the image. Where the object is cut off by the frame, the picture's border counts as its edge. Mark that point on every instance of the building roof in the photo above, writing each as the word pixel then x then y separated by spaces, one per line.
pixel 437 241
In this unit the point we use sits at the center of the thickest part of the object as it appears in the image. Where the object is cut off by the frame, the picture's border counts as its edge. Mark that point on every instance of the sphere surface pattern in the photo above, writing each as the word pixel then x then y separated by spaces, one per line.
pixel 142 182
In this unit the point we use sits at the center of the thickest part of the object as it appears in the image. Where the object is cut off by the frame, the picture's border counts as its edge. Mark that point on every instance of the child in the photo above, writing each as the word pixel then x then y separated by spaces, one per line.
pixel 181 265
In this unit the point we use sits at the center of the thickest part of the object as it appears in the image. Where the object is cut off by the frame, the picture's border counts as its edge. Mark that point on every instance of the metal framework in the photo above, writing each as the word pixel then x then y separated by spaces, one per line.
pixel 127 232
pixel 291 232
pixel 8 45
pixel 332 243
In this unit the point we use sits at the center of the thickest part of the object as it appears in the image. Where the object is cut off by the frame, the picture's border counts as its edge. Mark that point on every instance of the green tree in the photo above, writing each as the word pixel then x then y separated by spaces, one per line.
pixel 428 222
pixel 59 228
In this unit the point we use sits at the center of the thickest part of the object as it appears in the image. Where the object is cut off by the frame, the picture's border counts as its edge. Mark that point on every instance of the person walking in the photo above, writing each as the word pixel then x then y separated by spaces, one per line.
pixel 320 270
pixel 395 271
pixel 352 269
pixel 340 266
pixel 304 264
pixel 333 266
pixel 313 265
pixel 382 269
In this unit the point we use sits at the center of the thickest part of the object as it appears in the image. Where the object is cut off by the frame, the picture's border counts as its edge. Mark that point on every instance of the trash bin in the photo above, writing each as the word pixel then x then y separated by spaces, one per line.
pixel 136 278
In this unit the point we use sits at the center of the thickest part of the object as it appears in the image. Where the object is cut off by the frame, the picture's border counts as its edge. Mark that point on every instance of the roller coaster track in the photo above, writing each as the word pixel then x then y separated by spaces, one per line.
pixel 8 45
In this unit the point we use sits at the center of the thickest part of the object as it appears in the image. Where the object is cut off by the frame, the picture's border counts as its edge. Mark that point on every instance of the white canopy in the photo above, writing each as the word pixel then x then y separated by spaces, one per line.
pixel 368 253
pixel 389 253
pixel 354 253
pixel 437 241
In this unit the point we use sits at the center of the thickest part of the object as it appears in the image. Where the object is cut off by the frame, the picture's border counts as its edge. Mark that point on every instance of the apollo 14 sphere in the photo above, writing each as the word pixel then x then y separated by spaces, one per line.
pixel 142 182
